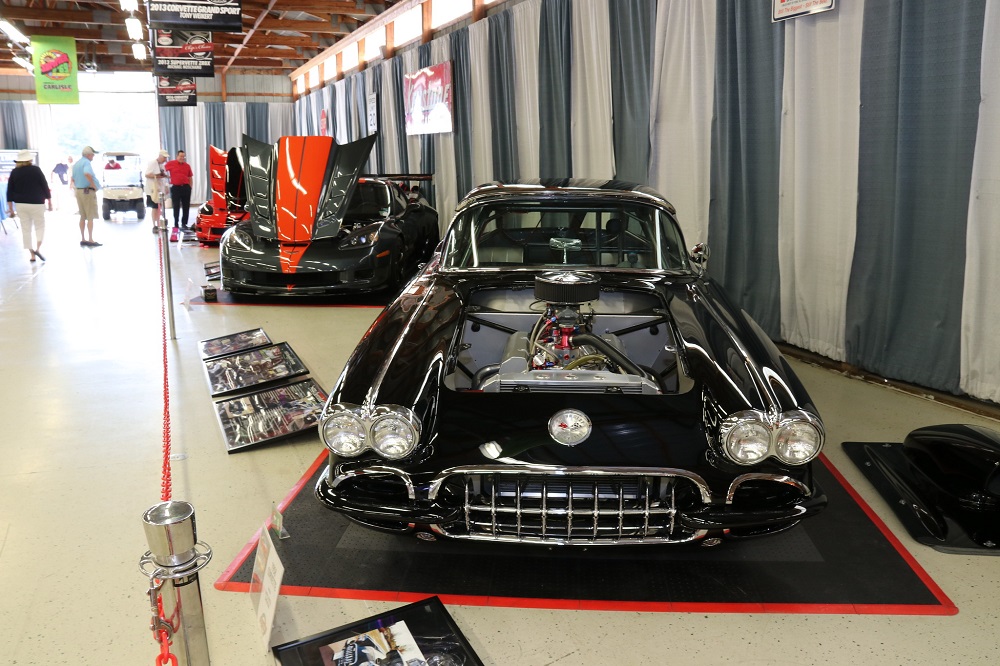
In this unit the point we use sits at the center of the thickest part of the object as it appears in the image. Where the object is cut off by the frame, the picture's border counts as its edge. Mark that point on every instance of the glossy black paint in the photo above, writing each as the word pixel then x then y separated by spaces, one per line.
pixel 947 481
pixel 728 363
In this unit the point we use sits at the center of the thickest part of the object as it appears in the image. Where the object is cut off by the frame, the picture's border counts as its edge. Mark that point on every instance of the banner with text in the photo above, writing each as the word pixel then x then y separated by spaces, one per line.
pixel 176 91
pixel 183 52
pixel 218 15
pixel 54 60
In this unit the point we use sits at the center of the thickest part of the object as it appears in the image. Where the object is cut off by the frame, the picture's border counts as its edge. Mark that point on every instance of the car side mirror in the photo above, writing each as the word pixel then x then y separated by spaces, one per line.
pixel 700 254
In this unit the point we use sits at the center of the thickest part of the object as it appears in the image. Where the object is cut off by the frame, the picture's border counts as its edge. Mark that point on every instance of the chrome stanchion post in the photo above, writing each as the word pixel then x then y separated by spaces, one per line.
pixel 168 288
pixel 172 563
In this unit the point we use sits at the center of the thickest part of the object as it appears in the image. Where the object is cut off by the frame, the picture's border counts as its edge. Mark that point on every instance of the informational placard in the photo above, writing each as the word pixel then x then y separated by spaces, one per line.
pixel 782 10
pixel 265 585
pixel 427 100
pixel 217 15
pixel 54 62
pixel 176 91
pixel 183 53
pixel 372 113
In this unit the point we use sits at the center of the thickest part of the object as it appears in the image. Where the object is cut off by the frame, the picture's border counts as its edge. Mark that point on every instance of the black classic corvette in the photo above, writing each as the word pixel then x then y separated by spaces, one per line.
pixel 317 227
pixel 564 372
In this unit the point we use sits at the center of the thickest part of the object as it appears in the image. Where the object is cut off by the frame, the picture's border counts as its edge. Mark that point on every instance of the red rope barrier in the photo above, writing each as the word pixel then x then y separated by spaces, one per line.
pixel 165 484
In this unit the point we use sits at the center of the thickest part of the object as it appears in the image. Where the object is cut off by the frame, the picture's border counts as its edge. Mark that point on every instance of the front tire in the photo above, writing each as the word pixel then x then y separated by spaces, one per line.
pixel 140 210
pixel 107 210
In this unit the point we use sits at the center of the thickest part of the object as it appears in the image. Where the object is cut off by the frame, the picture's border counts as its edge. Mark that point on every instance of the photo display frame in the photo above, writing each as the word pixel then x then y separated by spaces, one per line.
pixel 424 626
pixel 270 414
pixel 252 368
pixel 232 343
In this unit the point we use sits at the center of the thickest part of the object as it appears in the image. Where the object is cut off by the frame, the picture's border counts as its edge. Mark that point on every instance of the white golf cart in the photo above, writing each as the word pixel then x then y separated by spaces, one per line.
pixel 121 181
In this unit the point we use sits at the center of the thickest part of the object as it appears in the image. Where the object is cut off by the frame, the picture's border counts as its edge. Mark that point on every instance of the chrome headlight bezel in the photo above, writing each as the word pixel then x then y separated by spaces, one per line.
pixel 372 423
pixel 360 239
pixel 771 431
pixel 242 238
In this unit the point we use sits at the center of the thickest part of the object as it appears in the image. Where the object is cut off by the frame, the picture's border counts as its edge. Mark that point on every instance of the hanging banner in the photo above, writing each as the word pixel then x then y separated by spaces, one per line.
pixel 782 10
pixel 54 60
pixel 217 15
pixel 176 91
pixel 183 52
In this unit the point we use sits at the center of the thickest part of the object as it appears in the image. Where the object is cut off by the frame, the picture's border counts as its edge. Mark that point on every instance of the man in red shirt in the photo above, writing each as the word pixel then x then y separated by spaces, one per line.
pixel 180 187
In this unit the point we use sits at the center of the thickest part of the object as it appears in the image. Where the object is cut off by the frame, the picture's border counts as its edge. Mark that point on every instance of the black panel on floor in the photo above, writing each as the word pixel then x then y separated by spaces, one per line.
pixel 838 558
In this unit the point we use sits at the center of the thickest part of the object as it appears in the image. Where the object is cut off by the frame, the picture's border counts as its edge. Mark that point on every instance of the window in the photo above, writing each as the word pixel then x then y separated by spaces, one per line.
pixel 409 26
pixel 313 77
pixel 443 13
pixel 330 68
pixel 373 41
pixel 349 57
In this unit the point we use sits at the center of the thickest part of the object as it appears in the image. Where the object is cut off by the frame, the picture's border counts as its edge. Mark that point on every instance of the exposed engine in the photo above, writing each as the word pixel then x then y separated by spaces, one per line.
pixel 561 353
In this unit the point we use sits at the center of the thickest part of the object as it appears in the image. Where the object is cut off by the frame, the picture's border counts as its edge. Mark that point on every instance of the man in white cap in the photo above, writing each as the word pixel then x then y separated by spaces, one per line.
pixel 155 185
pixel 28 189
pixel 86 186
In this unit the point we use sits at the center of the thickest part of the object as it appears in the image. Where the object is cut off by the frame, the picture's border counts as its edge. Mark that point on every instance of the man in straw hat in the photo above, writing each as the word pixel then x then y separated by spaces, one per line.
pixel 28 190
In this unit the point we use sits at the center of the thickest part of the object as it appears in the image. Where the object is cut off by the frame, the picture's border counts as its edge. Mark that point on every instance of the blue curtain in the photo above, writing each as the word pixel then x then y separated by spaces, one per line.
pixel 555 53
pixel 172 136
pixel 399 110
pixel 501 49
pixel 215 124
pixel 14 124
pixel 632 24
pixel 746 136
pixel 461 82
pixel 920 95
pixel 258 126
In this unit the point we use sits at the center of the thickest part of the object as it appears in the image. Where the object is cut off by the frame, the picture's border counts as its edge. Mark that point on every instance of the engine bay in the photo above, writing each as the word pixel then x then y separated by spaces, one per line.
pixel 567 336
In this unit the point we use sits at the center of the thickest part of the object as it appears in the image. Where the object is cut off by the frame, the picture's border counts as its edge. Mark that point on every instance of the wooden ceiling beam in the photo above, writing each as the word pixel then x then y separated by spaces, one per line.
pixel 317 27
pixel 249 35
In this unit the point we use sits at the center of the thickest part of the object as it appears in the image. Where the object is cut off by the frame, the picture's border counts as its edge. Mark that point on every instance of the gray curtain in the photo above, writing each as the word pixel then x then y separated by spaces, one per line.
pixel 258 125
pixel 920 95
pixel 632 24
pixel 215 125
pixel 397 81
pixel 501 48
pixel 331 113
pixel 555 53
pixel 461 82
pixel 379 150
pixel 172 136
pixel 349 105
pixel 743 213
pixel 426 140
pixel 14 125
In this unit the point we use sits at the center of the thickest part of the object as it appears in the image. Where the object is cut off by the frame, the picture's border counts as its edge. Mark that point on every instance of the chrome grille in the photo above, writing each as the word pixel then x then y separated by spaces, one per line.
pixel 583 507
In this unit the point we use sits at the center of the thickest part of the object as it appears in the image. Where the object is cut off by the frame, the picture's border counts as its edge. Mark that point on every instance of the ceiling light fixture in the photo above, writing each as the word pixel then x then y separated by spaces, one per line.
pixel 129 5
pixel 11 31
pixel 139 50
pixel 134 27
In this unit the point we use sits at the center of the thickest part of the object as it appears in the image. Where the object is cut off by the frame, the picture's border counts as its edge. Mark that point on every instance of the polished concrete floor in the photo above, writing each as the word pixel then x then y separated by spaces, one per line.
pixel 80 461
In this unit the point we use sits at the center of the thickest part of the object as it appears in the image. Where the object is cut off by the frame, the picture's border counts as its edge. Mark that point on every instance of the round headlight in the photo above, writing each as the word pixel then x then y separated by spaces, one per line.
pixel 747 441
pixel 798 442
pixel 569 426
pixel 396 434
pixel 344 434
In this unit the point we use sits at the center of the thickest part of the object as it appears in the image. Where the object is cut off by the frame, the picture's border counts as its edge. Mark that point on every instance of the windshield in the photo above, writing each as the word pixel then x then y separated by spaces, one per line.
pixel 120 171
pixel 549 233
pixel 370 201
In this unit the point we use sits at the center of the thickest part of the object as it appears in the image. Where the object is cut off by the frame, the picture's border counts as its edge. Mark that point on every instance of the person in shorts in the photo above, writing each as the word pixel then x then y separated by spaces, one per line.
pixel 155 184
pixel 86 186
pixel 28 191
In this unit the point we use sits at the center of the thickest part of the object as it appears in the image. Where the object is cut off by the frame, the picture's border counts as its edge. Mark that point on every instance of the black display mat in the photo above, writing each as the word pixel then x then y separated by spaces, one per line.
pixel 842 561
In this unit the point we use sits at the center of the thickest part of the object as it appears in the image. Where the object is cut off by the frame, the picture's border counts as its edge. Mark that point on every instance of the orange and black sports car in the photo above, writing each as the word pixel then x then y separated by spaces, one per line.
pixel 316 227
pixel 226 208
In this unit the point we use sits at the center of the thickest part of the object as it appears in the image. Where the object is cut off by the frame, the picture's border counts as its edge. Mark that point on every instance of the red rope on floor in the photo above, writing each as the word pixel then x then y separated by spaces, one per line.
pixel 165 483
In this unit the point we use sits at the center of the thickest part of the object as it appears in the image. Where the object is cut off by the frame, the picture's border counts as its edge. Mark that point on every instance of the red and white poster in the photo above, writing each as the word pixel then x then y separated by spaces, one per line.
pixel 427 100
